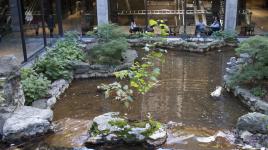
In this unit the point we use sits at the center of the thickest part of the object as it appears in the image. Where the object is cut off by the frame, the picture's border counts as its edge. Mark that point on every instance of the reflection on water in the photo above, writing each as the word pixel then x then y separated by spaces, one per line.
pixel 182 96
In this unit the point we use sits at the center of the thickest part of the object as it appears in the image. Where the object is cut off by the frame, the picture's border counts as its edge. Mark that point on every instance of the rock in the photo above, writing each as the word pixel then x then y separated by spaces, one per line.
pixel 26 122
pixel 9 66
pixel 51 102
pixel 41 104
pixel 217 92
pixel 110 128
pixel 245 135
pixel 11 92
pixel 57 87
pixel 158 138
pixel 82 148
pixel 80 67
pixel 254 123
pixel 244 55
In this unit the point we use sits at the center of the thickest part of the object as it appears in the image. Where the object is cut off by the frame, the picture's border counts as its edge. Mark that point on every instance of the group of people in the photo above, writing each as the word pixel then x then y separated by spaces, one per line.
pixel 201 28
pixel 155 27
pixel 159 27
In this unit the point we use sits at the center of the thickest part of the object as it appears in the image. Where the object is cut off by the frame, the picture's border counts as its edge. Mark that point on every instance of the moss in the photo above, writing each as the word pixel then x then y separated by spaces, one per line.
pixel 119 123
pixel 95 131
pixel 154 126
pixel 138 124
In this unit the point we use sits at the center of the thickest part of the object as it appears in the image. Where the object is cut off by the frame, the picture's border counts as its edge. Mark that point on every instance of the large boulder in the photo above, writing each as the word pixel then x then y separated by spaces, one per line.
pixel 254 123
pixel 110 128
pixel 11 92
pixel 25 122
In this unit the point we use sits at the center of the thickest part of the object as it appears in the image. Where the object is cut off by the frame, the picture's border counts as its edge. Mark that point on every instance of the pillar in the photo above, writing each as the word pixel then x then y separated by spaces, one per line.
pixel 15 24
pixel 102 11
pixel 230 15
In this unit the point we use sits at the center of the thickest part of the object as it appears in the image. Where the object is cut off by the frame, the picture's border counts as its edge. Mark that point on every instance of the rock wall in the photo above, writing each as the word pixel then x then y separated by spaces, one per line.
pixel 11 93
pixel 254 103
pixel 84 70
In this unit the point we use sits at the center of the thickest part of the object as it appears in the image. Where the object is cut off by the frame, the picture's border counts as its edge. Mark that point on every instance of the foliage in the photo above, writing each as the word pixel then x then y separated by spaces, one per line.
pixel 142 76
pixel 109 52
pixel 108 32
pixel 258 91
pixel 35 86
pixel 257 68
pixel 112 43
pixel 56 64
pixel 95 131
pixel 225 35
pixel 123 93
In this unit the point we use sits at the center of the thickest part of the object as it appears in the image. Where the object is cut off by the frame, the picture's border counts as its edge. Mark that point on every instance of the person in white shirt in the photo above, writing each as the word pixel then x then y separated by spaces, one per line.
pixel 133 27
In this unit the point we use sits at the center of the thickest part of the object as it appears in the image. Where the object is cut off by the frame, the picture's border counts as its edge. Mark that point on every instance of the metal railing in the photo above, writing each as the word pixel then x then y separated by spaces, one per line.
pixel 161 12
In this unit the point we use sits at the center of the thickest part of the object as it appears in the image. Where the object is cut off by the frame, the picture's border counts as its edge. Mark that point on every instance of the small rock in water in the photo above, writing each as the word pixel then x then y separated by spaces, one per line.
pixel 217 92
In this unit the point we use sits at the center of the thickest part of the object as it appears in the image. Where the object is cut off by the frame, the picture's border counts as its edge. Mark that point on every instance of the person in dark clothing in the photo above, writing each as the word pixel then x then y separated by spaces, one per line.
pixel 50 24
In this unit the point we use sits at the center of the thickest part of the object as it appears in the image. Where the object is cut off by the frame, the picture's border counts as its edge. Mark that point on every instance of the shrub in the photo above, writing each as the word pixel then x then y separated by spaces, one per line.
pixel 56 63
pixel 258 91
pixel 107 32
pixel 225 35
pixel 35 86
pixel 257 68
pixel 110 52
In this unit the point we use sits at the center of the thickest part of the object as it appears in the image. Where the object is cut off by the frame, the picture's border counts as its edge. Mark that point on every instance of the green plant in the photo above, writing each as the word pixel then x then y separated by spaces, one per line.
pixel 257 68
pixel 122 93
pixel 56 64
pixel 53 68
pixel 107 32
pixel 142 77
pixel 35 86
pixel 258 91
pixel 110 52
pixel 225 35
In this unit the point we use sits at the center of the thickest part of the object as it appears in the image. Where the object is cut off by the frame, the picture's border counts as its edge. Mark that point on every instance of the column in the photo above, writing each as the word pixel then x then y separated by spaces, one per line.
pixel 230 15
pixel 102 11
pixel 15 24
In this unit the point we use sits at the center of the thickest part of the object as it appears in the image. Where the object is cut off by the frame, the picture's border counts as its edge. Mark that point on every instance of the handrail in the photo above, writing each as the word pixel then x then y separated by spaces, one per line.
pixel 161 12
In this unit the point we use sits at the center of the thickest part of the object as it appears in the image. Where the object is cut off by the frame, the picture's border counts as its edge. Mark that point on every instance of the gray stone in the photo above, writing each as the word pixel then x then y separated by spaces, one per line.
pixel 254 123
pixel 41 104
pixel 9 66
pixel 108 133
pixel 244 55
pixel 11 92
pixel 26 122
pixel 51 102
pixel 80 67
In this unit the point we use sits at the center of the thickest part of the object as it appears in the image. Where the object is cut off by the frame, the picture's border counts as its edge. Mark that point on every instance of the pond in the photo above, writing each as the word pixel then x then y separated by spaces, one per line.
pixel 183 96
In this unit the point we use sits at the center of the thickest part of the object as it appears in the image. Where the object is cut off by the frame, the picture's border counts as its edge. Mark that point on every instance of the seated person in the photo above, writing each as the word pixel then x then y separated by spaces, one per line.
pixel 200 28
pixel 215 26
pixel 133 27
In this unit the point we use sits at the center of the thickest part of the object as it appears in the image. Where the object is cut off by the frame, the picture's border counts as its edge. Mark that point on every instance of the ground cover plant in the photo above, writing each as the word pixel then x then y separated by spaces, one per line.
pixel 55 65
pixel 112 43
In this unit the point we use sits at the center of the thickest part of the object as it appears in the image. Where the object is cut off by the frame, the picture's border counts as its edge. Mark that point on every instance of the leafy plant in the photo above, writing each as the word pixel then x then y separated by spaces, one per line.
pixel 122 93
pixel 142 77
pixel 56 64
pixel 257 68
pixel 35 86
pixel 225 35
pixel 110 52
pixel 108 32
pixel 258 91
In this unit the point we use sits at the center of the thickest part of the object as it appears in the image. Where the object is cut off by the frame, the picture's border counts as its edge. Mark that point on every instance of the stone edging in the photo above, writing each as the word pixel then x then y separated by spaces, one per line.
pixel 254 103
pixel 199 45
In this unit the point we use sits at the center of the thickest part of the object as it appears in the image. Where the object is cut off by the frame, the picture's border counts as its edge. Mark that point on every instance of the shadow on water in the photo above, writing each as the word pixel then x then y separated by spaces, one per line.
pixel 186 81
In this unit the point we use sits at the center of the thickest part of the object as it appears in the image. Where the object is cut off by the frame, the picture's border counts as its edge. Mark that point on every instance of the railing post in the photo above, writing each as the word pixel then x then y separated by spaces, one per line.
pixel 21 31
